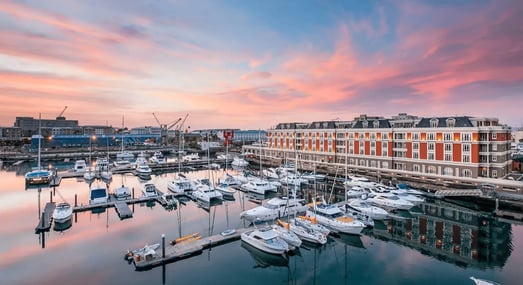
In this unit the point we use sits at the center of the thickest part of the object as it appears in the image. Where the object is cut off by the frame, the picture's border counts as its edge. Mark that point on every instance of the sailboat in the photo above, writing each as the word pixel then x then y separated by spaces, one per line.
pixel 38 175
pixel 123 158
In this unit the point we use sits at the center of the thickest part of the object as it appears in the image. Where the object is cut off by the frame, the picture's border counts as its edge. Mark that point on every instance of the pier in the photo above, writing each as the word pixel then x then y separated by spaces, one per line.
pixel 123 210
pixel 184 249
pixel 45 220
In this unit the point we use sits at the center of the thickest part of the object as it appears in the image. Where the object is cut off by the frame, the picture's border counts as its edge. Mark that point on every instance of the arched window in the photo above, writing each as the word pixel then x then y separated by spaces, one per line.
pixel 434 122
pixel 451 122
pixel 448 171
pixel 376 124
pixel 365 124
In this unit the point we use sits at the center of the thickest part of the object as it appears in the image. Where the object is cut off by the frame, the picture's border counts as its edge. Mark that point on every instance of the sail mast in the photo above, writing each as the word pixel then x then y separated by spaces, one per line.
pixel 39 139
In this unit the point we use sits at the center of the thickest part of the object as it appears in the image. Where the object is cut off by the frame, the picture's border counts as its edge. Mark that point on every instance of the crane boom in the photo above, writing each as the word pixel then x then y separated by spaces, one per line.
pixel 156 118
pixel 174 123
pixel 61 113
pixel 183 122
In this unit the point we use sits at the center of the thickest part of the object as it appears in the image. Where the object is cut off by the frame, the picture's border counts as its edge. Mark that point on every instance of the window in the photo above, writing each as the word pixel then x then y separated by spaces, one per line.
pixel 373 136
pixel 431 146
pixel 415 155
pixel 372 144
pixel 466 148
pixel 494 136
pixel 415 136
pixel 372 163
pixel 448 157
pixel 385 164
pixel 416 168
pixel 431 169
pixel 431 136
pixel 465 158
pixel 384 136
pixel 434 123
pixel 372 152
pixel 448 171
pixel 451 122
pixel 494 173
pixel 448 147
pixel 362 148
pixel 415 146
pixel 466 137
pixel 376 124
pixel 430 156
pixel 384 153
pixel 494 147
pixel 494 158
pixel 385 145
pixel 448 136
pixel 362 162
pixel 466 173
pixel 365 124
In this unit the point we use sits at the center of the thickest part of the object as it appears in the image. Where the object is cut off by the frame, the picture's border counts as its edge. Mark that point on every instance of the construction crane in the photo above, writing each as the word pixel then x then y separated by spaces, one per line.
pixel 164 128
pixel 60 116
pixel 179 128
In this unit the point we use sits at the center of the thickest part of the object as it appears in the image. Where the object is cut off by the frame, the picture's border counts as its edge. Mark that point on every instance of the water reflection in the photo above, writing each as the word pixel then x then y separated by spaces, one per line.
pixel 263 259
pixel 453 234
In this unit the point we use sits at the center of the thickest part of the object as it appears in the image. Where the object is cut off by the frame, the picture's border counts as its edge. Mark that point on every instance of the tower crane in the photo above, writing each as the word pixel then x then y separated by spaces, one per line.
pixel 60 116
pixel 164 128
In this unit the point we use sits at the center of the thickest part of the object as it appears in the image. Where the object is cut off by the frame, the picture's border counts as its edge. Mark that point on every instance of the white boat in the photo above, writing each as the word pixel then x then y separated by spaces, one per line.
pixel 157 158
pixel 353 180
pixel 169 200
pixel 478 281
pixel 367 208
pixel 311 176
pixel 98 195
pixel 332 217
pixel 270 173
pixel 409 197
pixel 225 189
pixel 89 175
pixel 307 233
pixel 149 190
pixel 181 185
pixel 191 157
pixel 266 240
pixel 38 175
pixel 356 192
pixel 275 208
pixel 239 162
pixel 142 253
pixel 409 190
pixel 312 223
pixel 293 180
pixel 284 232
pixel 124 155
pixel 258 186
pixel 101 164
pixel 389 201
pixel 205 192
pixel 80 166
pixel 62 213
pixel 122 192
pixel 143 169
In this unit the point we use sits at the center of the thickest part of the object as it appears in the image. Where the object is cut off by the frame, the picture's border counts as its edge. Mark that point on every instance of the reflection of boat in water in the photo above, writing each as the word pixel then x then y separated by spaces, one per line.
pixel 62 226
pixel 264 259
pixel 478 281
pixel 352 240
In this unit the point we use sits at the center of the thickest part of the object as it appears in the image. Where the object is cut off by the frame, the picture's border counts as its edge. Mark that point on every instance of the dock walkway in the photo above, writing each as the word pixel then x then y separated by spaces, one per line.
pixel 45 220
pixel 185 249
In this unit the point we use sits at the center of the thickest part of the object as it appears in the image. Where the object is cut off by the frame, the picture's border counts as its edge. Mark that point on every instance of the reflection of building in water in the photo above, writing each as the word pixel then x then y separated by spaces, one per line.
pixel 454 234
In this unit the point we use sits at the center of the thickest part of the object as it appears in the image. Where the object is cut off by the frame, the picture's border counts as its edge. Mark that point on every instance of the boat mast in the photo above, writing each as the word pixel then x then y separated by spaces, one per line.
pixel 39 139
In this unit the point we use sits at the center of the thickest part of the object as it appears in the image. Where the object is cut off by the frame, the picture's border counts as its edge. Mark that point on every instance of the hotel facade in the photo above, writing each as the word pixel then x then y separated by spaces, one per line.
pixel 404 145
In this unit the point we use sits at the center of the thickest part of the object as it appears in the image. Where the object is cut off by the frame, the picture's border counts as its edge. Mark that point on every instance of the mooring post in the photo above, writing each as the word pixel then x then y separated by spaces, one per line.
pixel 163 245
pixel 42 220
pixel 133 192
pixel 51 196
pixel 75 200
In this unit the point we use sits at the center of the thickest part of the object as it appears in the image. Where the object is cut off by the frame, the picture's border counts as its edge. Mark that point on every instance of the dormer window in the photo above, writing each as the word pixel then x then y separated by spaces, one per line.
pixel 376 124
pixel 451 122
pixel 434 123
pixel 365 124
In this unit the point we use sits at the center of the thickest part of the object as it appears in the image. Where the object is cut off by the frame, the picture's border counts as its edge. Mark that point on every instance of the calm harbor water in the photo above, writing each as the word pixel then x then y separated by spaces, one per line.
pixel 439 243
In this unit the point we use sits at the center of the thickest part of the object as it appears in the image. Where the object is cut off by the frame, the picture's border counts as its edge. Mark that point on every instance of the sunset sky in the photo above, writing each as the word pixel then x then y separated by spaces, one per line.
pixel 253 64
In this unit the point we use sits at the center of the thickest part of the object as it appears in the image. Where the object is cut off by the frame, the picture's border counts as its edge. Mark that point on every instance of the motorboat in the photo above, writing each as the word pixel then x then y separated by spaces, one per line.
pixel 143 169
pixel 311 176
pixel 181 185
pixel 149 190
pixel 356 191
pixel 101 164
pixel 283 230
pixel 307 233
pixel 157 158
pixel 275 208
pixel 191 157
pixel 332 217
pixel 416 200
pixel 270 173
pixel 98 195
pixel 80 166
pixel 122 192
pixel 478 281
pixel 62 213
pixel 89 175
pixel 409 190
pixel 259 186
pixel 312 223
pixel 239 162
pixel 367 208
pixel 38 175
pixel 389 201
pixel 143 253
pixel 293 180
pixel 205 192
pixel 353 180
pixel 266 240
pixel 169 200
pixel 225 189
pixel 125 155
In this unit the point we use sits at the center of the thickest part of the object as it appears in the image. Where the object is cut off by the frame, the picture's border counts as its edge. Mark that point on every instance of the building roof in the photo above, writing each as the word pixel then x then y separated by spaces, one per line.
pixel 442 122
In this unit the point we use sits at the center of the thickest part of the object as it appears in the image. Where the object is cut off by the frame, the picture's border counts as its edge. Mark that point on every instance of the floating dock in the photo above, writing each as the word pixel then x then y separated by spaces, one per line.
pixel 123 210
pixel 180 250
pixel 45 220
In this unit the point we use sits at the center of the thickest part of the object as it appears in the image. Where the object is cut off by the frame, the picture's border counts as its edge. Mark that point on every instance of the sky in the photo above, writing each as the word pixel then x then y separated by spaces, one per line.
pixel 254 64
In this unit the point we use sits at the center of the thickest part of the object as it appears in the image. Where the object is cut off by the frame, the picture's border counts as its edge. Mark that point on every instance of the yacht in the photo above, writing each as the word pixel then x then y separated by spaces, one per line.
pixel 270 173
pixel 149 190
pixel 180 185
pixel 157 158
pixel 266 240
pixel 258 186
pixel 205 192
pixel 80 166
pixel 306 233
pixel 312 224
pixel 98 195
pixel 311 176
pixel 353 180
pixel 275 208
pixel 293 180
pixel 89 175
pixel 367 208
pixel 62 213
pixel 409 197
pixel 190 157
pixel 169 200
pixel 283 230
pixel 390 201
pixel 225 189
pixel 122 192
pixel 332 217
pixel 356 192
pixel 239 162
pixel 143 169
pixel 38 175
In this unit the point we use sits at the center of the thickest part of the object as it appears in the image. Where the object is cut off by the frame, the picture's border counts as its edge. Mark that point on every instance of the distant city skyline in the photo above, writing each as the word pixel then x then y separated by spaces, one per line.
pixel 254 64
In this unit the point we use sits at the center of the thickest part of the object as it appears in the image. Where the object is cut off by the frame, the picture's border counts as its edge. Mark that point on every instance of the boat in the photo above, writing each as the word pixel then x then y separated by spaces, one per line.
pixel 293 180
pixel 225 189
pixel 307 233
pixel 180 185
pixel 270 173
pixel 266 240
pixel 356 191
pixel 123 158
pixel 205 192
pixel 62 213
pixel 478 281
pixel 80 166
pixel 312 223
pixel 264 259
pixel 353 180
pixel 389 201
pixel 367 208
pixel 275 208
pixel 122 192
pixel 311 176
pixel 332 217
pixel 149 190
pixel 228 232
pixel 38 175
pixel 98 195
pixel 259 186
pixel 239 162
pixel 89 175
pixel 283 230
pixel 190 157
pixel 414 199
pixel 412 191
pixel 143 169
pixel 169 200
pixel 157 158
